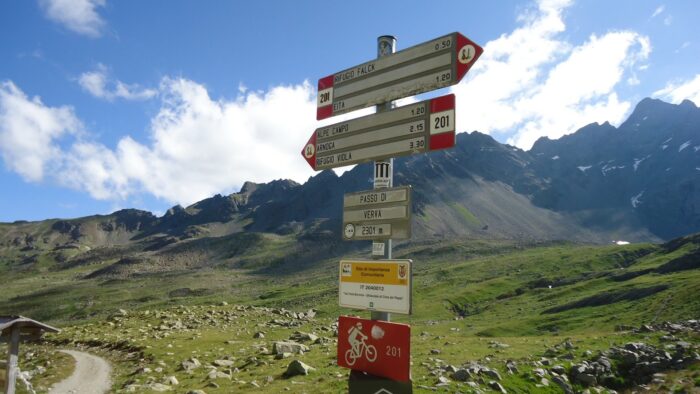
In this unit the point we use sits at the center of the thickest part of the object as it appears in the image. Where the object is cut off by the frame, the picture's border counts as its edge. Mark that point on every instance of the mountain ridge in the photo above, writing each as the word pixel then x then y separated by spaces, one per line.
pixel 598 184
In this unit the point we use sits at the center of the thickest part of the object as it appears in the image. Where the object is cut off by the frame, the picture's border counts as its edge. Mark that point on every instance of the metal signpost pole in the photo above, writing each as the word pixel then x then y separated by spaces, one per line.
pixel 383 169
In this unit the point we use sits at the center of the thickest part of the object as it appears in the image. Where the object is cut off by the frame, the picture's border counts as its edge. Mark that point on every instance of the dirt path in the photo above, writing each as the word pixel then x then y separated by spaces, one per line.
pixel 91 375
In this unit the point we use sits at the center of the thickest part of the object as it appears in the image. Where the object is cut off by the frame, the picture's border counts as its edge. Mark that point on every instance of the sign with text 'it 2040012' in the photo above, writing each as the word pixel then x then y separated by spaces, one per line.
pixel 415 128
pixel 377 214
pixel 377 285
pixel 376 347
pixel 432 65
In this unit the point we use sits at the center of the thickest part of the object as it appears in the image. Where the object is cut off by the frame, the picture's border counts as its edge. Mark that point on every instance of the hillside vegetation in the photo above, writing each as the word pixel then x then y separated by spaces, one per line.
pixel 475 301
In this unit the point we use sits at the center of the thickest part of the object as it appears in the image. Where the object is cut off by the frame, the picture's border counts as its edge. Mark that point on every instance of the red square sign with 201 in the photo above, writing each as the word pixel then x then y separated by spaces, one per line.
pixel 377 347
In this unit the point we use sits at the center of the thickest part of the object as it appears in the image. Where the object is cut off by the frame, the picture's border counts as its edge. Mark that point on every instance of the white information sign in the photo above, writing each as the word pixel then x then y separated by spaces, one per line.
pixel 377 285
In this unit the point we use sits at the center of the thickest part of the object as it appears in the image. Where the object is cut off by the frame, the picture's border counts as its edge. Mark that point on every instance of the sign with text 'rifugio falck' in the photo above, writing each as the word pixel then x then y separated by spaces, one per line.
pixel 377 347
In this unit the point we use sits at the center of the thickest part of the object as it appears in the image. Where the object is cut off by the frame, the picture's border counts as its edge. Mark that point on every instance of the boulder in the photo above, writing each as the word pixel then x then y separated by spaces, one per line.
pixel 297 367
pixel 223 363
pixel 497 387
pixel 563 384
pixel 190 364
pixel 281 347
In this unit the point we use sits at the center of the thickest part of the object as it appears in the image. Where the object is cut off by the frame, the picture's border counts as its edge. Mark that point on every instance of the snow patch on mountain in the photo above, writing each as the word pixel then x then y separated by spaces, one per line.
pixel 555 157
pixel 663 147
pixel 621 242
pixel 607 168
pixel 667 141
pixel 637 162
pixel 684 145
pixel 636 199
pixel 583 168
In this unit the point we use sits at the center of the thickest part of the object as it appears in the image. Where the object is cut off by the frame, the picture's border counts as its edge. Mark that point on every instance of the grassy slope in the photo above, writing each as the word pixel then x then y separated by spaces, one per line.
pixel 501 290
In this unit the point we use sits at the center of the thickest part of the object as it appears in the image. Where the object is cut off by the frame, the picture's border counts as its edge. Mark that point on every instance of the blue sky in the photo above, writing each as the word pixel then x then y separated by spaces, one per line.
pixel 107 105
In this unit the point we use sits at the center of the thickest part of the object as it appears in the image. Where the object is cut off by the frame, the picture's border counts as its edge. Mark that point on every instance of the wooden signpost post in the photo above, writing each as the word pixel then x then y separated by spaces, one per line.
pixel 376 350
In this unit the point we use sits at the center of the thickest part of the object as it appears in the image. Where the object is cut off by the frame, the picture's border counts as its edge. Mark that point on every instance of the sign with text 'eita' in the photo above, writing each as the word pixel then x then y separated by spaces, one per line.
pixel 376 285
pixel 432 65
pixel 377 214
pixel 415 128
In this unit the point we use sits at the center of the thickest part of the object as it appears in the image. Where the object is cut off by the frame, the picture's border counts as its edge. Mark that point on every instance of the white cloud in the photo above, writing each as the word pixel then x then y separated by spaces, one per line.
pixel 29 131
pixel 660 9
pixel 676 92
pixel 668 20
pixel 79 16
pixel 197 146
pixel 98 84
pixel 533 83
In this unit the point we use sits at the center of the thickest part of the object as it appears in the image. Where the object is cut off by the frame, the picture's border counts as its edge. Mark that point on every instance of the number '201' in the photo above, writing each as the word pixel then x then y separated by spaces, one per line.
pixel 393 351
pixel 442 121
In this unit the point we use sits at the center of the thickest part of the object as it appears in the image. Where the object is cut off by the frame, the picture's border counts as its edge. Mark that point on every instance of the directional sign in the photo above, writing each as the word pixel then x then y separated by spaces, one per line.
pixel 416 128
pixel 377 285
pixel 432 65
pixel 376 347
pixel 377 214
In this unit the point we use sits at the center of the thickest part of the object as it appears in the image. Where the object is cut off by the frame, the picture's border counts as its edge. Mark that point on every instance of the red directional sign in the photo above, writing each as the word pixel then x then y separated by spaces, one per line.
pixel 428 66
pixel 415 128
pixel 377 347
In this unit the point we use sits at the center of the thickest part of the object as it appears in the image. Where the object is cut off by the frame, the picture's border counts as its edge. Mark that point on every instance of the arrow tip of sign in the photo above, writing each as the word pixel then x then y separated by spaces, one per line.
pixel 308 152
pixel 467 54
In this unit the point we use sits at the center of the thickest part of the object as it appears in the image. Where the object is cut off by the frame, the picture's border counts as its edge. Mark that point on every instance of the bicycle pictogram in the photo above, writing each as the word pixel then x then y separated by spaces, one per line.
pixel 359 346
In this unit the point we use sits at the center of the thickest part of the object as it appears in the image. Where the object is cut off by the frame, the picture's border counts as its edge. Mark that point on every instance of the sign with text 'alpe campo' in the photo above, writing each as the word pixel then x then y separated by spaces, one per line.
pixel 376 347
pixel 415 128
pixel 377 214
pixel 428 66
pixel 376 285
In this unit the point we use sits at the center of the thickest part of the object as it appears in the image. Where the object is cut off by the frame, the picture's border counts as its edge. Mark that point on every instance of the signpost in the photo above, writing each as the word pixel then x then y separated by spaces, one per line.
pixel 416 128
pixel 376 347
pixel 378 351
pixel 377 285
pixel 377 214
pixel 432 65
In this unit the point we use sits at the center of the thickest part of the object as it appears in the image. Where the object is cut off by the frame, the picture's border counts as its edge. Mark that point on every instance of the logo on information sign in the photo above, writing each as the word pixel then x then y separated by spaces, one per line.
pixel 347 269
pixel 349 230
pixel 402 271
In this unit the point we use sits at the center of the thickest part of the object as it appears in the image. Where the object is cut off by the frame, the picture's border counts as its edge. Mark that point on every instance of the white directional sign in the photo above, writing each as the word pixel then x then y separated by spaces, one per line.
pixel 377 214
pixel 380 285
pixel 432 65
pixel 415 128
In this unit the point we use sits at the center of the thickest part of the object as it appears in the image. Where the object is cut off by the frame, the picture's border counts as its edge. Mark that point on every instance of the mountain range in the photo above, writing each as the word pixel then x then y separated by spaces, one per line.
pixel 636 182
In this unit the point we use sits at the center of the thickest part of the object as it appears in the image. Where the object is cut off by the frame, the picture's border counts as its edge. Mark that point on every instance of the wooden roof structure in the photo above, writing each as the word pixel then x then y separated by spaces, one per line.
pixel 29 328
pixel 14 329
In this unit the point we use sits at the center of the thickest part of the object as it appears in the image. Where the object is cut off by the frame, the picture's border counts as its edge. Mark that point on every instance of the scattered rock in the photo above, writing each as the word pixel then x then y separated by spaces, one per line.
pixel 259 335
pixel 223 363
pixel 171 381
pixel 214 374
pixel 159 387
pixel 497 387
pixel 190 364
pixel 462 375
pixel 297 367
pixel 281 347
pixel 563 384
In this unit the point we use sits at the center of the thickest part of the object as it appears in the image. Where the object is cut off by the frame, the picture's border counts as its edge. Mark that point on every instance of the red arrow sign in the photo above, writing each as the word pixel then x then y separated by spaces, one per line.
pixel 415 128
pixel 432 65
pixel 377 347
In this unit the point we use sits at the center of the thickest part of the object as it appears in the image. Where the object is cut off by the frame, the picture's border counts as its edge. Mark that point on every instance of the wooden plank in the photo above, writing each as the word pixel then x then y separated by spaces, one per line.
pixel 12 359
